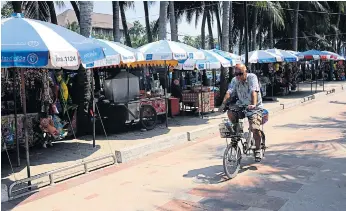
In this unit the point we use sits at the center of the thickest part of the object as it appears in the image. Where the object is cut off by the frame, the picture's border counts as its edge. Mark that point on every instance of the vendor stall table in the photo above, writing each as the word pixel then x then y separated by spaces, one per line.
pixel 195 100
pixel 158 103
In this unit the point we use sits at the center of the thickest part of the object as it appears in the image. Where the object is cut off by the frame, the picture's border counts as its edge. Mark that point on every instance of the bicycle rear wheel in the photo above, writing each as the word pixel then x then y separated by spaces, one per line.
pixel 231 160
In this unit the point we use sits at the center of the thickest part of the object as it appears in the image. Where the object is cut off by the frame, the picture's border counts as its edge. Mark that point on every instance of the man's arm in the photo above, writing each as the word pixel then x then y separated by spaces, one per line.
pixel 254 89
pixel 231 89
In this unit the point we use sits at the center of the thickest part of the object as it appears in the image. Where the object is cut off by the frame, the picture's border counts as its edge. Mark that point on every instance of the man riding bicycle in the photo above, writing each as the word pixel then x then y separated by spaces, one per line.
pixel 246 87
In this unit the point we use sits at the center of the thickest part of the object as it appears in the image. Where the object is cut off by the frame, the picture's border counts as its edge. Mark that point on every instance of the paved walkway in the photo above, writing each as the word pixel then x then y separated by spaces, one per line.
pixel 304 169
pixel 66 153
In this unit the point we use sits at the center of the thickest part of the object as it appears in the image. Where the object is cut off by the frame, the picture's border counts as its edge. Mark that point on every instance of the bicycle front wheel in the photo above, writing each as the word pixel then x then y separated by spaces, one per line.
pixel 231 161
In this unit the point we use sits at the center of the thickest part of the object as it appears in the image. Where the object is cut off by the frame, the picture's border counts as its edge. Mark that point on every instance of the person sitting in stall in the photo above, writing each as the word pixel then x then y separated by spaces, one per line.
pixel 176 90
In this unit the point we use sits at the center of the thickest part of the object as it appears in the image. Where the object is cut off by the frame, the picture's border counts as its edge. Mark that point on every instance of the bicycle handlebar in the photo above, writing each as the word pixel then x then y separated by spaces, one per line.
pixel 240 108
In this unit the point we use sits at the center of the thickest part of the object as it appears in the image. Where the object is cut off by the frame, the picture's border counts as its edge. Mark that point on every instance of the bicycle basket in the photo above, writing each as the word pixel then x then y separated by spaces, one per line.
pixel 226 132
pixel 265 116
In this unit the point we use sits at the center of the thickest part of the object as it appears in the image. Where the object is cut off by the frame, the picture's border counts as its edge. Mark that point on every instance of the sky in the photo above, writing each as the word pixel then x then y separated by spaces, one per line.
pixel 137 13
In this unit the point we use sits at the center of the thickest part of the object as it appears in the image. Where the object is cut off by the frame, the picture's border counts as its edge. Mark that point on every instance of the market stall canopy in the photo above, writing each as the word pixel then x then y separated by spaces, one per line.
pixel 287 56
pixel 116 54
pixel 313 55
pixel 262 56
pixel 169 52
pixel 334 56
pixel 212 61
pixel 32 43
pixel 232 58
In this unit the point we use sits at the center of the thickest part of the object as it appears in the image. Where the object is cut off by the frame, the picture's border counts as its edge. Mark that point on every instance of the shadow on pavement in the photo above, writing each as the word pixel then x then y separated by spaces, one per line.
pixel 61 152
pixel 285 168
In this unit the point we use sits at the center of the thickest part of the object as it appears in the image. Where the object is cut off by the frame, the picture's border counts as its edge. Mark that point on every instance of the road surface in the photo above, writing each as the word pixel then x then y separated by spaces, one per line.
pixel 304 169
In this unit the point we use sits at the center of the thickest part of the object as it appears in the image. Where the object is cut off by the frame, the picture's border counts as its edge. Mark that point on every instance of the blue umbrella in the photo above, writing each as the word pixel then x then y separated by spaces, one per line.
pixel 212 61
pixel 262 56
pixel 117 53
pixel 287 56
pixel 169 50
pixel 32 43
pixel 233 58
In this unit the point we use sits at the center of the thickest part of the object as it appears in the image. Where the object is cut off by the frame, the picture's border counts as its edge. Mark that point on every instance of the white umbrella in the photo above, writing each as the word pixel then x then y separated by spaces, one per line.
pixel 262 56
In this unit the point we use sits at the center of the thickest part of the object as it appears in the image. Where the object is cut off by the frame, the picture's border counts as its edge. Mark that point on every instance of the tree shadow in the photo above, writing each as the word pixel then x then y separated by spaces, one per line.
pixel 338 102
pixel 285 169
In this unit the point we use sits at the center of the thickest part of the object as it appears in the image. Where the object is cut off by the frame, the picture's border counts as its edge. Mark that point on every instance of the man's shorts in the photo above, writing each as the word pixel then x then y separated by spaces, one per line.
pixel 255 119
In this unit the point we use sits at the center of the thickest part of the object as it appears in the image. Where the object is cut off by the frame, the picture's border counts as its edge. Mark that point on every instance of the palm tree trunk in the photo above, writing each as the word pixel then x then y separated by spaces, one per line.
pixel 116 20
pixel 17 6
pixel 225 45
pixel 225 26
pixel 204 18
pixel 53 18
pixel 124 23
pixel 176 23
pixel 254 27
pixel 241 40
pixel 76 10
pixel 86 9
pixel 163 20
pixel 230 27
pixel 210 29
pixel 259 36
pixel 336 30
pixel 295 27
pixel 271 35
pixel 218 23
pixel 147 21
pixel 174 33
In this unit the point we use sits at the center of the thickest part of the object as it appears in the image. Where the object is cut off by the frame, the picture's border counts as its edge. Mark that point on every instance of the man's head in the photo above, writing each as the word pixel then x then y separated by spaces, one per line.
pixel 240 72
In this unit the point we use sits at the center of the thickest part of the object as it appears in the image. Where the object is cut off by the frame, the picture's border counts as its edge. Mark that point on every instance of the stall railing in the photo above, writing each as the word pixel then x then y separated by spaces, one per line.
pixel 50 174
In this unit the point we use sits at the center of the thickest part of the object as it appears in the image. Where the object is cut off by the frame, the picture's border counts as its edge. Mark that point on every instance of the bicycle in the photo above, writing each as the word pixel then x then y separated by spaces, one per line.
pixel 236 134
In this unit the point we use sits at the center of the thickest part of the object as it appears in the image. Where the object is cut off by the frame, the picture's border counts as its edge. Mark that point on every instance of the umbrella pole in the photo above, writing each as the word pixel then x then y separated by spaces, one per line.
pixel 15 116
pixel 93 105
pixel 166 99
pixel 22 80
pixel 201 110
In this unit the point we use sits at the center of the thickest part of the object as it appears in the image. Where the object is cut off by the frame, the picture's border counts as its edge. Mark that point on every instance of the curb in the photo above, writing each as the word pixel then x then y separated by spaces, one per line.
pixel 141 150
pixel 138 151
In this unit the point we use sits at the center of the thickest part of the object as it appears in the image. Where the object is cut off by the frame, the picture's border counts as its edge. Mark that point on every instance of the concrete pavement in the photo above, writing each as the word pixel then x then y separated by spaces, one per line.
pixel 303 170
pixel 133 144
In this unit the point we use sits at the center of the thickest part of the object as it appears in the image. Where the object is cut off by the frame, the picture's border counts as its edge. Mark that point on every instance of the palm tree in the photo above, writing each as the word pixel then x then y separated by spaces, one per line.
pixel 40 10
pixel 122 5
pixel 147 21
pixel 53 18
pixel 341 8
pixel 208 11
pixel 86 9
pixel 172 19
pixel 230 34
pixel 116 20
pixel 163 20
pixel 76 9
pixel 216 9
pixel 204 18
pixel 224 45
pixel 295 27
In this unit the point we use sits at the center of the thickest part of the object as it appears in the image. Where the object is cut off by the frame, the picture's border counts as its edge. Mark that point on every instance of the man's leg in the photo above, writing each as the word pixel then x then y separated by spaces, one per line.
pixel 255 126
